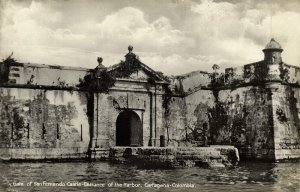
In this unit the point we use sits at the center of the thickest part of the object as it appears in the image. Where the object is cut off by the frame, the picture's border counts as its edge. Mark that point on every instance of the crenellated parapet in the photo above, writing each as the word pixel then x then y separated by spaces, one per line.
pixel 271 69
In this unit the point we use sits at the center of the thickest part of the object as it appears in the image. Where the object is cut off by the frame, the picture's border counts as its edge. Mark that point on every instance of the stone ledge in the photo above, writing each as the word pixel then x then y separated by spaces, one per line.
pixel 27 154
pixel 215 156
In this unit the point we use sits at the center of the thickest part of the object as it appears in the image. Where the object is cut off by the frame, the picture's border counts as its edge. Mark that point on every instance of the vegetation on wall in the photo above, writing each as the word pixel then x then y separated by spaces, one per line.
pixel 97 81
pixel 217 79
pixel 218 119
pixel 284 73
pixel 126 69
pixel 150 83
pixel 199 130
pixel 9 59
pixel 166 105
pixel 238 127
pixel 281 115
pixel 294 107
pixel 261 71
pixel 19 125
pixel 4 68
pixel 167 99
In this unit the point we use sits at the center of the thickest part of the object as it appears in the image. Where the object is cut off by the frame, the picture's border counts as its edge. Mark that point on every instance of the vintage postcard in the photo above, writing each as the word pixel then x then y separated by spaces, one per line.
pixel 149 95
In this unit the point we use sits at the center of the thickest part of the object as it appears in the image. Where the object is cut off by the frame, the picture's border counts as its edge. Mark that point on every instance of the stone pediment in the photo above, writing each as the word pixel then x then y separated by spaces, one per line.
pixel 132 68
pixel 139 75
pixel 136 71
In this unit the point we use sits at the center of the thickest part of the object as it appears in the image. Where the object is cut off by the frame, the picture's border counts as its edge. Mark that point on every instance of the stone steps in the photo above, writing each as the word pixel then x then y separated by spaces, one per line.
pixel 216 156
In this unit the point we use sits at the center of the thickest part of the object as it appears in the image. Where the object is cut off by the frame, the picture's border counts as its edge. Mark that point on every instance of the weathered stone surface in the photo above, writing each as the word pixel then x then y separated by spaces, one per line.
pixel 254 108
pixel 286 117
pixel 46 75
pixel 72 153
pixel 38 119
pixel 176 156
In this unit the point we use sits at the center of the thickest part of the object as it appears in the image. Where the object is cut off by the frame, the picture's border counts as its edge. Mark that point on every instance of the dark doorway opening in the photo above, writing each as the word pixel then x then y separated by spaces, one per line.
pixel 129 131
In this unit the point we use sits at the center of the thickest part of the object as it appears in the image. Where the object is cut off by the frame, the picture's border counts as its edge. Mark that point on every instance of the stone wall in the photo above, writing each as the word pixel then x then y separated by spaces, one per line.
pixel 187 109
pixel 243 118
pixel 238 115
pixel 254 107
pixel 41 154
pixel 253 73
pixel 35 118
pixel 286 117
pixel 191 82
pixel 45 75
pixel 187 120
pixel 176 121
pixel 290 74
pixel 260 71
pixel 199 105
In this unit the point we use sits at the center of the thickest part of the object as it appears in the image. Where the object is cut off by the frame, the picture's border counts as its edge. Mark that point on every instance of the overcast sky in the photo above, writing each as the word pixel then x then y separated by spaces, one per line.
pixel 171 36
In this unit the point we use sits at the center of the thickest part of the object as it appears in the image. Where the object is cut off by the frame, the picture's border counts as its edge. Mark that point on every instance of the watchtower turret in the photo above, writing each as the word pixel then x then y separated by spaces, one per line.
pixel 273 52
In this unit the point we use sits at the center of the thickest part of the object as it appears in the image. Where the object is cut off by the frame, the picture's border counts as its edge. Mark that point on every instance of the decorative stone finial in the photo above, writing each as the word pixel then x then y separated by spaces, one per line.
pixel 130 57
pixel 99 59
pixel 100 66
pixel 130 48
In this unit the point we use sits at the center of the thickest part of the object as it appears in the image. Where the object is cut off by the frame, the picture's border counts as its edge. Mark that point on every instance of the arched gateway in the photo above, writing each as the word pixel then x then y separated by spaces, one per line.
pixel 129 131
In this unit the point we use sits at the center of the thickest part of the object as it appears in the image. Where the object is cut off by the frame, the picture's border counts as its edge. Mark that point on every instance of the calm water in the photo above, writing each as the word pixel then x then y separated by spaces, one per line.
pixel 245 177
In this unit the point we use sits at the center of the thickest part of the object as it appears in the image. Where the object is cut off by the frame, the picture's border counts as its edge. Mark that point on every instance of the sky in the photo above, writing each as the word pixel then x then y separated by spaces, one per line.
pixel 171 36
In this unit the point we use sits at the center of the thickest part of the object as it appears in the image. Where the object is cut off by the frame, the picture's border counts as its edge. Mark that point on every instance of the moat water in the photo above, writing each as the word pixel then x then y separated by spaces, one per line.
pixel 99 176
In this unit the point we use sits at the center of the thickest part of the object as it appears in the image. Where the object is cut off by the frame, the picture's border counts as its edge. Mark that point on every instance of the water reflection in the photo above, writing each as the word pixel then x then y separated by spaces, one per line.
pixel 245 177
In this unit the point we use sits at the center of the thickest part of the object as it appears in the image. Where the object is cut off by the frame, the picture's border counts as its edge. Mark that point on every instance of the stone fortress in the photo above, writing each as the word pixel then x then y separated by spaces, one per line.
pixel 49 111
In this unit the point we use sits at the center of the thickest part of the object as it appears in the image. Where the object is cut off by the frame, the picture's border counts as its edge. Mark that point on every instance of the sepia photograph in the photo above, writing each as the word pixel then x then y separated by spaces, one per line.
pixel 149 95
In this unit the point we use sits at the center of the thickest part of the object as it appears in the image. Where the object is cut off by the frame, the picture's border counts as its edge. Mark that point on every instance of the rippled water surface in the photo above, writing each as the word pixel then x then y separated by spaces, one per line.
pixel 245 177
